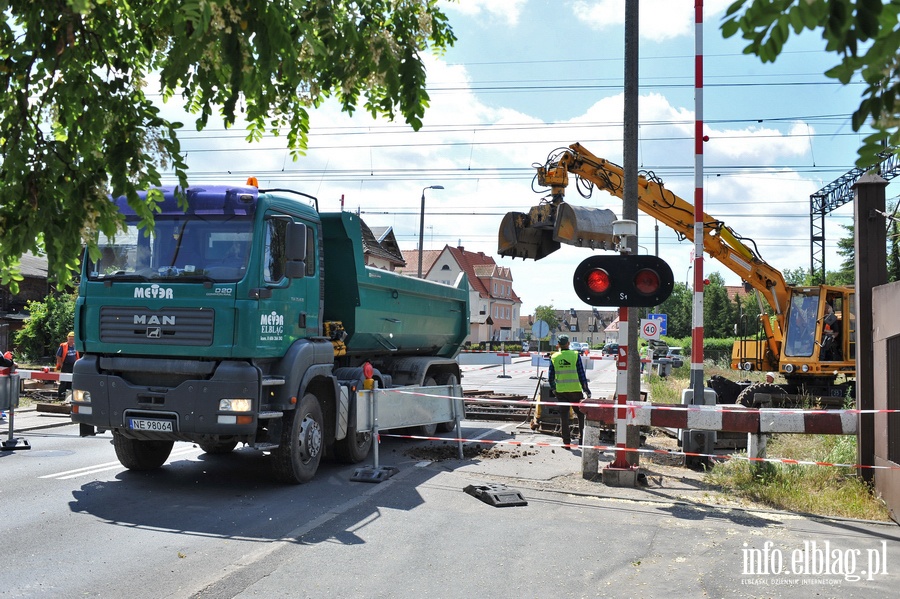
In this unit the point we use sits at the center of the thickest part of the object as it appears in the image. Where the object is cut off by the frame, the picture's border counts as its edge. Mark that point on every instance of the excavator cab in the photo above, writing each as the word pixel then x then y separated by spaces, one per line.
pixel 820 331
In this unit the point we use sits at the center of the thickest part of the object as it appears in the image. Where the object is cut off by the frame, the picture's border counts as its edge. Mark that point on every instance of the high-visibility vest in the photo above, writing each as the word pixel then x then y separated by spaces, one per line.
pixel 565 371
pixel 62 353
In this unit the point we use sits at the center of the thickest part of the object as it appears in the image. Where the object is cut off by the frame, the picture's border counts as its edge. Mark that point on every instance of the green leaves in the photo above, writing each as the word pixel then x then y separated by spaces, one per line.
pixel 847 26
pixel 77 119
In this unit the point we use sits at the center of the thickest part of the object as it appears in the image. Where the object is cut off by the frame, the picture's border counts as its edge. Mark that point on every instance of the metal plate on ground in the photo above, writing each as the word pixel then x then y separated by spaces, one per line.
pixel 496 495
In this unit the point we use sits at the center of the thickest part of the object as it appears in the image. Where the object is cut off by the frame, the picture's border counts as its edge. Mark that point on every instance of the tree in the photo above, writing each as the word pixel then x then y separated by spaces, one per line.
pixel 77 120
pixel 847 250
pixel 677 309
pixel 718 309
pixel 866 33
pixel 797 276
pixel 894 252
pixel 46 327
pixel 548 315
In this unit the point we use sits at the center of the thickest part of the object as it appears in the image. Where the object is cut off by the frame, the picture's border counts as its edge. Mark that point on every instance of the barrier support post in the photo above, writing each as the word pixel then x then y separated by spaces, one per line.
pixel 9 400
pixel 621 473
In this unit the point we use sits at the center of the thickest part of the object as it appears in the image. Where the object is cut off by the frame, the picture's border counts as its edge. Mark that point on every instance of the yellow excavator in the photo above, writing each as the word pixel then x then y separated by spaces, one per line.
pixel 809 339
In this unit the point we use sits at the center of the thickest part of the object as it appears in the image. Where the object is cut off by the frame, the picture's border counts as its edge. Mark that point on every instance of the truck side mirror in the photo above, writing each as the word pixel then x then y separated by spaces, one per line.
pixel 295 251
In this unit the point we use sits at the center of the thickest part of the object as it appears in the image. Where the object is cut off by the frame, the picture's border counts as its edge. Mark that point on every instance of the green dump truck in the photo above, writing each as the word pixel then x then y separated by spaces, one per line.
pixel 247 316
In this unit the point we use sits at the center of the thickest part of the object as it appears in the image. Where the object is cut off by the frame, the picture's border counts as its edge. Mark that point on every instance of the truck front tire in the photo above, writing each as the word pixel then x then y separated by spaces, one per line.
pixel 302 443
pixel 135 454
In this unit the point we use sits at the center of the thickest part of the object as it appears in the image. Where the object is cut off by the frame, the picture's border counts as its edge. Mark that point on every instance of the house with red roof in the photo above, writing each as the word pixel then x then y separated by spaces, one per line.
pixel 494 307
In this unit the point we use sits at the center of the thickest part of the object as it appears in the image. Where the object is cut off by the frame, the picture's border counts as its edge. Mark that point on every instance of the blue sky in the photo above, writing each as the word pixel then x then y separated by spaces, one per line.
pixel 529 76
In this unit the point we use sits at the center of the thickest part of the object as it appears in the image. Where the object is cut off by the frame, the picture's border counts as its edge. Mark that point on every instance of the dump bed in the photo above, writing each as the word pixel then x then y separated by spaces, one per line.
pixel 385 312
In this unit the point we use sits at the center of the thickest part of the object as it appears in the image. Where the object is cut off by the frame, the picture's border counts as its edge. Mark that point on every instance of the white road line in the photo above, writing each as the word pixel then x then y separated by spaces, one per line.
pixel 97 468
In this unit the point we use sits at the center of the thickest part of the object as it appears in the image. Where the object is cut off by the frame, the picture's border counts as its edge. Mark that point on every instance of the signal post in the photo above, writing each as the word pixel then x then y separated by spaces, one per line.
pixel 624 281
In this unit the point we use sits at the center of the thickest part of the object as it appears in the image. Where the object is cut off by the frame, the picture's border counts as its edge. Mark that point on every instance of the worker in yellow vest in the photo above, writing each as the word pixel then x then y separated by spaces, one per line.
pixel 567 383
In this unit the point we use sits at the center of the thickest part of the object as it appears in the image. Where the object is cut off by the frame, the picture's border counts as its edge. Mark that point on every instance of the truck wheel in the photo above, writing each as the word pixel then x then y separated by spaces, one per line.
pixel 426 430
pixel 299 452
pixel 746 396
pixel 353 448
pixel 446 427
pixel 135 454
pixel 218 447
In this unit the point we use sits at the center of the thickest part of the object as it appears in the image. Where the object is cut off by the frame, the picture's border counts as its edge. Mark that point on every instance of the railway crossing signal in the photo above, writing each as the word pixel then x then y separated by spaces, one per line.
pixel 623 281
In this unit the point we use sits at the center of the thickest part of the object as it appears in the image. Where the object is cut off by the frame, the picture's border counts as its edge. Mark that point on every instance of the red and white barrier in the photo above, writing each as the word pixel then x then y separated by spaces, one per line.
pixel 44 375
pixel 728 419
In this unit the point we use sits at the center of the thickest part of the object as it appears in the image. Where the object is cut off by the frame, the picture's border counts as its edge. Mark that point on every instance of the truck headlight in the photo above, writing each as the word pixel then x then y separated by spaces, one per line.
pixel 235 405
pixel 80 395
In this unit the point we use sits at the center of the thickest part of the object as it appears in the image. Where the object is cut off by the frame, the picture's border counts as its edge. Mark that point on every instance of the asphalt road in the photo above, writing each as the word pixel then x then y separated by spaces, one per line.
pixel 75 523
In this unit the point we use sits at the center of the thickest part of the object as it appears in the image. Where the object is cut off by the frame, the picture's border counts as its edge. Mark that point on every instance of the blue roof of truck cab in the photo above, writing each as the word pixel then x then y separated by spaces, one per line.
pixel 202 199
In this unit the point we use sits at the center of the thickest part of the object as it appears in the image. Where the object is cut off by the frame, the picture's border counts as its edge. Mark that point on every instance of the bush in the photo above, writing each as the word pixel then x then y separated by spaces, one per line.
pixel 46 327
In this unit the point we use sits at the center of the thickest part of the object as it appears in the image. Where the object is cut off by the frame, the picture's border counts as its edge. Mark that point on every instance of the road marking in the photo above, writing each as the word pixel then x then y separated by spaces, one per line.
pixel 98 468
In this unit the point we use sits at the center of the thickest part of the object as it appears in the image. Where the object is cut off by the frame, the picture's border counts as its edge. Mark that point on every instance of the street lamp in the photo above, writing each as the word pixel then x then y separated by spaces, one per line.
pixel 422 223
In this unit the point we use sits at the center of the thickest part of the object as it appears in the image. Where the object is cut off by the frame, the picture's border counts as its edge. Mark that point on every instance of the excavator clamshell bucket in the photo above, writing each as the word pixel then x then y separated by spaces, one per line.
pixel 584 227
pixel 519 238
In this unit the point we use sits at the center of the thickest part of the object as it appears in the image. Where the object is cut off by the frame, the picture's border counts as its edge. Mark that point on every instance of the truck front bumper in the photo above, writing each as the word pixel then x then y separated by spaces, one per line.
pixel 180 407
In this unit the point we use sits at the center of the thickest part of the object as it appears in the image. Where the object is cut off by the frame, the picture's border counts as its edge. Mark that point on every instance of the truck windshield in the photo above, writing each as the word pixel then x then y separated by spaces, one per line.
pixel 183 247
pixel 801 328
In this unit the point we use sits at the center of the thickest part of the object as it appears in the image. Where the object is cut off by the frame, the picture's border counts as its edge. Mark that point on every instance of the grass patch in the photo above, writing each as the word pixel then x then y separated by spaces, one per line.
pixel 820 490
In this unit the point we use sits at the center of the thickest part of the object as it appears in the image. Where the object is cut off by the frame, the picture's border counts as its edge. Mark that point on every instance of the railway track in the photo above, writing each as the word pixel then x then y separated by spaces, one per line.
pixel 478 406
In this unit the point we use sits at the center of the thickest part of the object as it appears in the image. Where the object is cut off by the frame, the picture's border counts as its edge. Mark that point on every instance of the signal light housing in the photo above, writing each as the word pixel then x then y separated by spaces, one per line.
pixel 623 281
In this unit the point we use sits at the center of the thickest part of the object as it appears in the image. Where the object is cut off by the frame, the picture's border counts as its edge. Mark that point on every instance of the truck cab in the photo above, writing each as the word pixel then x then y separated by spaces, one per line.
pixel 246 316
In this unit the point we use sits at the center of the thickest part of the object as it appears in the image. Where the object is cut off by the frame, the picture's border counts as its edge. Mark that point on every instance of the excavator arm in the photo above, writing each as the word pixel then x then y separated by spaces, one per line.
pixel 719 241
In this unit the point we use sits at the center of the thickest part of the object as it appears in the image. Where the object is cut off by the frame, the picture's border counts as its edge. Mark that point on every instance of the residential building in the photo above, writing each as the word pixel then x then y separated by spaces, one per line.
pixel 494 306
pixel 33 286
pixel 585 326
pixel 380 249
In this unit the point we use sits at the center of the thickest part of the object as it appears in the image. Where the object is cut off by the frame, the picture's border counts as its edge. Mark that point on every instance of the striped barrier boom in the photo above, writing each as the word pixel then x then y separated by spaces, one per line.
pixel 730 419
pixel 41 375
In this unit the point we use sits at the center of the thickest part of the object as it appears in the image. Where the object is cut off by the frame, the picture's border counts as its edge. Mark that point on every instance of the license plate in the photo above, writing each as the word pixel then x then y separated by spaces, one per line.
pixel 156 426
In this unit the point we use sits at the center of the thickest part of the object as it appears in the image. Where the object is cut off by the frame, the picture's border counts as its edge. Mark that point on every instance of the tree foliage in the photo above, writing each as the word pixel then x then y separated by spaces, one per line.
pixel 548 315
pixel 677 309
pixel 77 82
pixel 846 275
pixel 46 327
pixel 866 35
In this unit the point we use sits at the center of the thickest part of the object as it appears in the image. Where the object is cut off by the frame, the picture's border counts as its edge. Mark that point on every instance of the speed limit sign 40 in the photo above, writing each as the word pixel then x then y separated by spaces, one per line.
pixel 649 329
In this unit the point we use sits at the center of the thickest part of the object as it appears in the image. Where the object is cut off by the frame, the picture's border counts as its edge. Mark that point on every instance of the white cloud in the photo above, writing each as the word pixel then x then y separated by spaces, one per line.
pixel 482 155
pixel 658 20
pixel 507 11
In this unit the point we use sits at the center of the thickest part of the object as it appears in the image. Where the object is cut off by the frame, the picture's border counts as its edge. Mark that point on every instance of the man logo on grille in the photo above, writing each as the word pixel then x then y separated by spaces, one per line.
pixel 154 333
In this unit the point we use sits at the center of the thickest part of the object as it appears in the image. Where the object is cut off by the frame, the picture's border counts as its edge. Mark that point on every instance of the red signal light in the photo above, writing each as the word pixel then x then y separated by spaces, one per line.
pixel 598 280
pixel 646 281
pixel 623 280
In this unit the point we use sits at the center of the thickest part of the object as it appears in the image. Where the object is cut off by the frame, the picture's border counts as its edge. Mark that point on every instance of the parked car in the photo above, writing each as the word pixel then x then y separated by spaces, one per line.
pixel 676 356
pixel 610 349
pixel 580 347
pixel 656 349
